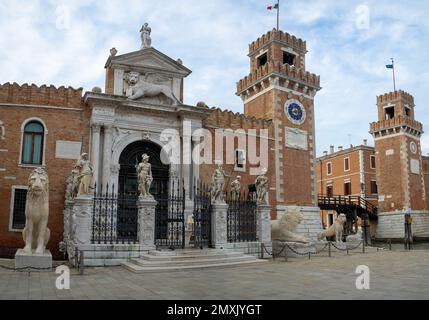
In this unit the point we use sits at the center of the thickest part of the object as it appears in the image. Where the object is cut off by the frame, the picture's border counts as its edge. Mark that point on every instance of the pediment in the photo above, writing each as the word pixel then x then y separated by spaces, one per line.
pixel 148 59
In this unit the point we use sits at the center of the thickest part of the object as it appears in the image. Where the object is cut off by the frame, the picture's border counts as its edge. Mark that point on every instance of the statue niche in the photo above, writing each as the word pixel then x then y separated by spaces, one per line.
pixel 150 85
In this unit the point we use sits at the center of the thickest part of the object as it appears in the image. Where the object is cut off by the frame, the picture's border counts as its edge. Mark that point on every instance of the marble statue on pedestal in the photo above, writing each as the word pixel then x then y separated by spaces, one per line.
pixel 285 228
pixel 262 188
pixel 145 36
pixel 36 233
pixel 236 189
pixel 86 173
pixel 337 229
pixel 218 184
pixel 145 178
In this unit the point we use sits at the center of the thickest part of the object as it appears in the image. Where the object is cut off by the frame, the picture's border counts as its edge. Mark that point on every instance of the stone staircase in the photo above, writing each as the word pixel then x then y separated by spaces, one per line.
pixel 184 260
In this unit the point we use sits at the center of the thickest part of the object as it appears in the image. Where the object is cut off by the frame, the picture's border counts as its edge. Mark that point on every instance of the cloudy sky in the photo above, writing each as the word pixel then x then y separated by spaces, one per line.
pixel 349 42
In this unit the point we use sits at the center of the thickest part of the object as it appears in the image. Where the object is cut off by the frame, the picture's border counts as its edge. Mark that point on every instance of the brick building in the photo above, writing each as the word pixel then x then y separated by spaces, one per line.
pixel 49 127
pixel 393 175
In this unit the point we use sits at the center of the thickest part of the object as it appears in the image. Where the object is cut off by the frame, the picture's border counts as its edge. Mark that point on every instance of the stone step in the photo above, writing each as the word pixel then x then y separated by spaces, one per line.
pixel 185 252
pixel 195 256
pixel 149 269
pixel 187 262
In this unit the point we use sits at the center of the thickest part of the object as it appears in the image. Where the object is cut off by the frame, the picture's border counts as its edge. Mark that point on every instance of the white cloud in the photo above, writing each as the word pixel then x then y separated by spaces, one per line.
pixel 212 38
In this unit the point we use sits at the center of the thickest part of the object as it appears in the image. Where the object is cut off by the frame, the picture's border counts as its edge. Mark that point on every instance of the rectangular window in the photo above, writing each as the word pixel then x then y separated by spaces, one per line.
pixel 262 60
pixel 372 162
pixel 390 112
pixel 329 168
pixel 18 209
pixel 374 187
pixel 288 58
pixel 240 160
pixel 407 112
pixel 330 191
pixel 347 164
pixel 347 189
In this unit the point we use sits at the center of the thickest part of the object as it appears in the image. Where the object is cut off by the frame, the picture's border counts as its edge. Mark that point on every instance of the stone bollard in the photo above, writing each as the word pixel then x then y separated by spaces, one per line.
pixel 146 232
pixel 264 224
pixel 219 224
pixel 82 211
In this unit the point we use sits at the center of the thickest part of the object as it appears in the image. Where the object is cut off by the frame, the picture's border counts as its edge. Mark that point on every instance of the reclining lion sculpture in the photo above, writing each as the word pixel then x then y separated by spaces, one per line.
pixel 285 228
pixel 337 229
pixel 36 233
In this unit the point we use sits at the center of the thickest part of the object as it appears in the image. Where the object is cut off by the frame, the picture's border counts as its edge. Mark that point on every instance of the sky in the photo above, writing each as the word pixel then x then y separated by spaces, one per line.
pixel 349 42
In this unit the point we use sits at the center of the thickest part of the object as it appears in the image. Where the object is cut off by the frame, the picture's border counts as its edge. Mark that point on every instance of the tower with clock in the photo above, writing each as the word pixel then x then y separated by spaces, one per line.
pixel 400 178
pixel 279 88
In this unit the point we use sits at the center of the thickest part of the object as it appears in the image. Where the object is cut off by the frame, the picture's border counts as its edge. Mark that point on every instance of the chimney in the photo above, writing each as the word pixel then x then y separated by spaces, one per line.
pixel 331 149
pixel 365 142
pixel 325 153
pixel 340 148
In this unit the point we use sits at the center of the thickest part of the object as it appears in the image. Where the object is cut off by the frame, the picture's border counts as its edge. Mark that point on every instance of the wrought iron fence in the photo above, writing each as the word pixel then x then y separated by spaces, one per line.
pixel 201 233
pixel 170 217
pixel 114 218
pixel 242 218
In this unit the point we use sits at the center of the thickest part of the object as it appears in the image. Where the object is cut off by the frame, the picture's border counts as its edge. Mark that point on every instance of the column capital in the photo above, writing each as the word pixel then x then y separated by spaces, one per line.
pixel 96 128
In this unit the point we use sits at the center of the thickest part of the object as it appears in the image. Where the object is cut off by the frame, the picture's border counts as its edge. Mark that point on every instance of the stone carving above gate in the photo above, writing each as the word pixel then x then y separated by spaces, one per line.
pixel 151 87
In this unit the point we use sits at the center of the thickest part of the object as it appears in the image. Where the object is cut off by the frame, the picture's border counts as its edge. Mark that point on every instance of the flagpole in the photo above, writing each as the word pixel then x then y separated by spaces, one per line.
pixel 394 78
pixel 278 15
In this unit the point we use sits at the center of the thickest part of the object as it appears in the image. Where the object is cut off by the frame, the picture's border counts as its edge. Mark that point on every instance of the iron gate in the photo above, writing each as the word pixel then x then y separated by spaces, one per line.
pixel 114 217
pixel 201 235
pixel 170 217
pixel 242 218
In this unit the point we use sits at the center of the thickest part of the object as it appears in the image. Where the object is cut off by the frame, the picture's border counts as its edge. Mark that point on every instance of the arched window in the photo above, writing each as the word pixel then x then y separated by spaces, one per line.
pixel 32 146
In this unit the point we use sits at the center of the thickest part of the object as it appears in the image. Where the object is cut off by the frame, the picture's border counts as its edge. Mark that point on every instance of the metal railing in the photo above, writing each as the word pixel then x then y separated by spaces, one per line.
pixel 242 218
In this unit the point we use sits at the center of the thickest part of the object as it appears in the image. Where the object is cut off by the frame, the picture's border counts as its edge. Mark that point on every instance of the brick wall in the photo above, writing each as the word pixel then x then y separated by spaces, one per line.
pixel 63 114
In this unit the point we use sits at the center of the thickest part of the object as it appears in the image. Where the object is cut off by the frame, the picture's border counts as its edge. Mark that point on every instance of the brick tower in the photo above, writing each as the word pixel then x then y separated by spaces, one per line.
pixel 400 176
pixel 279 88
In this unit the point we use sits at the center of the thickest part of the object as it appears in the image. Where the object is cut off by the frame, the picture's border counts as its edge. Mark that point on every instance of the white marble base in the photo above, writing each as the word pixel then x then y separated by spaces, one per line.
pixel 391 225
pixel 34 261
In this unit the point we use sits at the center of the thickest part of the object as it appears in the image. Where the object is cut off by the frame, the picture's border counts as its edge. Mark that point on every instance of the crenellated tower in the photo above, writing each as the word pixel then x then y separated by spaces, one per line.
pixel 400 176
pixel 279 88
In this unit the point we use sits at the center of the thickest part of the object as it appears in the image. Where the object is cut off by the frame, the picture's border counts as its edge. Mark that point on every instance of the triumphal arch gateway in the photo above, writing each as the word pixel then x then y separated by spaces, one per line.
pixel 168 174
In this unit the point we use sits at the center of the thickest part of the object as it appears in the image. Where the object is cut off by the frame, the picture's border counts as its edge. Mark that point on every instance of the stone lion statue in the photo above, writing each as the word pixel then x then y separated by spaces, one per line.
pixel 285 228
pixel 337 229
pixel 140 88
pixel 36 233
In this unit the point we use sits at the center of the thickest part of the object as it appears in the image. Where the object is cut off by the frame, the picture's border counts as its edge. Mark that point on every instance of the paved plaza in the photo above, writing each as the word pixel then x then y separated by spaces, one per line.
pixel 394 275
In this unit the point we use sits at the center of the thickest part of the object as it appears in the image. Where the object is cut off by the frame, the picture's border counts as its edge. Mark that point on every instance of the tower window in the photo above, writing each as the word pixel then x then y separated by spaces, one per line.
pixel 407 112
pixel 390 113
pixel 262 60
pixel 288 58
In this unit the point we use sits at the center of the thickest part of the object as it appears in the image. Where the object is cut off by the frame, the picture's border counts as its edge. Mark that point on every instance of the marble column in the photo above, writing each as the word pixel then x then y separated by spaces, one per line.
pixel 107 154
pixel 95 152
pixel 264 224
pixel 219 225
pixel 146 218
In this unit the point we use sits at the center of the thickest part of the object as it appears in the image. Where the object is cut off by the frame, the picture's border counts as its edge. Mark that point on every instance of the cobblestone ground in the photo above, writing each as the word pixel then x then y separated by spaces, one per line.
pixel 394 275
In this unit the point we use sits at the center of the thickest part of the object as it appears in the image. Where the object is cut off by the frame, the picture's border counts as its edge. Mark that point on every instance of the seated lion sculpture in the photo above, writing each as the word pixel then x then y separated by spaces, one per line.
pixel 285 228
pixel 36 233
pixel 337 229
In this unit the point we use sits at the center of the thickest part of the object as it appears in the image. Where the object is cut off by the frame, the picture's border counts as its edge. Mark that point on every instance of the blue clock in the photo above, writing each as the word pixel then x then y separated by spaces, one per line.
pixel 295 112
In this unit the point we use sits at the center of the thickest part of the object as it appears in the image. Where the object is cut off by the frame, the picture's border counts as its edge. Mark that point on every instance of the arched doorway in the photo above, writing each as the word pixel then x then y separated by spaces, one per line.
pixel 129 160
pixel 128 184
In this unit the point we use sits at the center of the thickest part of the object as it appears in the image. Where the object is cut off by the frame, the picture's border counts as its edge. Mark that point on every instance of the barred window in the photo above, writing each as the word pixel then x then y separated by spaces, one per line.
pixel 32 145
pixel 18 210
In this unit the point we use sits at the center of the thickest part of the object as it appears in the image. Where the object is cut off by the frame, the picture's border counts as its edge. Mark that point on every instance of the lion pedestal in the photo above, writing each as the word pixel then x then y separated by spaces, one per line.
pixel 34 261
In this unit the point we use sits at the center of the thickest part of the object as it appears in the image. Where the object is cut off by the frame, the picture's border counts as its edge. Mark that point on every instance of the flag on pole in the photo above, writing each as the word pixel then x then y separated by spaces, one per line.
pixel 276 6
pixel 389 66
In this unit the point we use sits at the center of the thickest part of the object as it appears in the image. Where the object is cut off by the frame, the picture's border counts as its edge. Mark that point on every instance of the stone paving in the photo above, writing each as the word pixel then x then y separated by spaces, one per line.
pixel 394 275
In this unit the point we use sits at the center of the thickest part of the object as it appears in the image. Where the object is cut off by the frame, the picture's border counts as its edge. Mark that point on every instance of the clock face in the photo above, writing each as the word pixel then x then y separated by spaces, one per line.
pixel 295 112
pixel 413 147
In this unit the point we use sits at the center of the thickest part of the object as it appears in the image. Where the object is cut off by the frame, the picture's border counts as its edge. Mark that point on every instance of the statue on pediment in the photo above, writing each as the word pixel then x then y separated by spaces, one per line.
pixel 140 87
pixel 145 35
